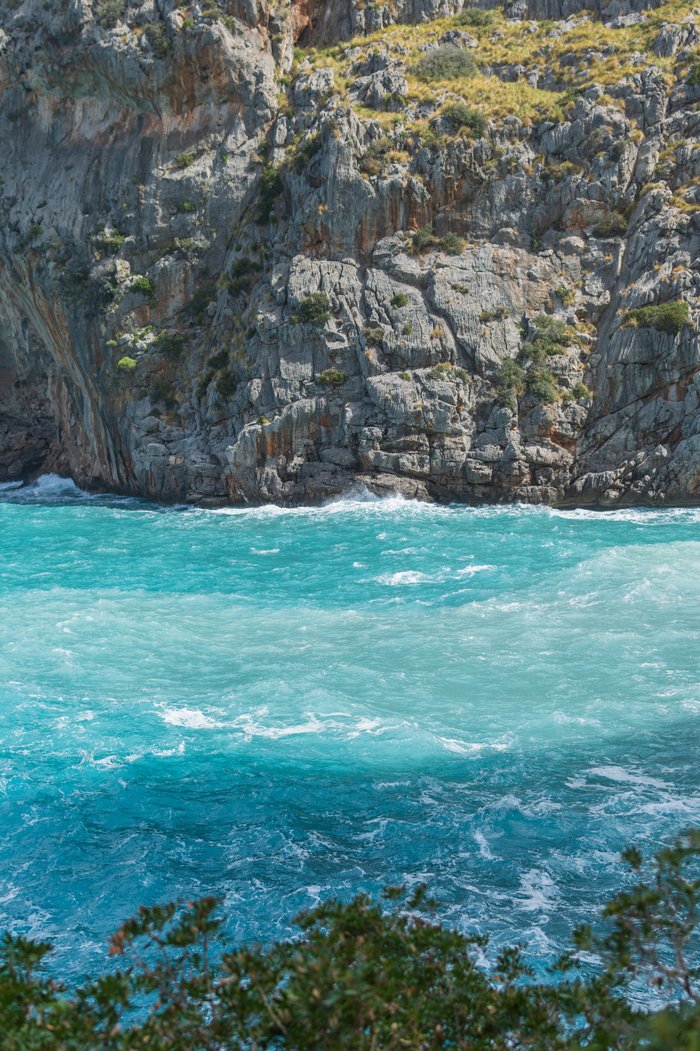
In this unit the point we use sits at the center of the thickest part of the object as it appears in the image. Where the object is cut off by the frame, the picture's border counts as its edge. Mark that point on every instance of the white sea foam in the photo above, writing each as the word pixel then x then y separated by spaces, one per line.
pixel 635 515
pixel 404 577
pixel 622 776
pixel 191 718
pixel 410 577
pixel 483 846
pixel 564 719
pixel 453 744
pixel 53 485
pixel 538 891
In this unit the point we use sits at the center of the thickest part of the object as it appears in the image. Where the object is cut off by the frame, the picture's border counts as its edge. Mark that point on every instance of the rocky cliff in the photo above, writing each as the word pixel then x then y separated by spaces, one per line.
pixel 268 250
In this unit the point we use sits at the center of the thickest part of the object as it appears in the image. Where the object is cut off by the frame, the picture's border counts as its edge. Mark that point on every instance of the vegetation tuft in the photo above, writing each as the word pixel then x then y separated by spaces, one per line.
pixel 664 317
pixel 463 118
pixel 315 310
pixel 332 378
pixel 612 225
pixel 424 240
pixel 109 12
pixel 445 62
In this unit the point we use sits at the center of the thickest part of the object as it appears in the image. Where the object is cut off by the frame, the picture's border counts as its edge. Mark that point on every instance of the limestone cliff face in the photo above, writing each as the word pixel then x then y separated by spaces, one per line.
pixel 271 251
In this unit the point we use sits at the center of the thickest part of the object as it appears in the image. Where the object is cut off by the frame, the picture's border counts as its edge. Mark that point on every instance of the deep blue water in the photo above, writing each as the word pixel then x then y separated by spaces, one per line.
pixel 276 706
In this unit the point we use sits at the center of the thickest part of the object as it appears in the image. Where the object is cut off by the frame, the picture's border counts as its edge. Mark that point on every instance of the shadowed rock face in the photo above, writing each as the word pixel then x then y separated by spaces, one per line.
pixel 224 277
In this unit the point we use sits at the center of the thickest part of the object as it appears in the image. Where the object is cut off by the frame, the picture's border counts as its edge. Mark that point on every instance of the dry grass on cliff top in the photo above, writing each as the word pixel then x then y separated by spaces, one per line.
pixel 585 53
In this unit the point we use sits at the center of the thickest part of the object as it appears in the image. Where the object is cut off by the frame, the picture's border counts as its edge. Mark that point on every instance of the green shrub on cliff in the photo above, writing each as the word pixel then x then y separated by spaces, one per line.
pixel 370 976
pixel 143 284
pixel 332 378
pixel 612 225
pixel 315 310
pixel 464 118
pixel 226 384
pixel 540 382
pixel 424 240
pixel 476 17
pixel 270 188
pixel 664 317
pixel 510 384
pixel 552 336
pixel 163 392
pixel 445 62
pixel 158 38
pixel 171 344
pixel 109 12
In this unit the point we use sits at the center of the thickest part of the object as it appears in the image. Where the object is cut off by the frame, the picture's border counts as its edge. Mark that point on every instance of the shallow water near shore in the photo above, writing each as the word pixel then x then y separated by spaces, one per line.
pixel 277 706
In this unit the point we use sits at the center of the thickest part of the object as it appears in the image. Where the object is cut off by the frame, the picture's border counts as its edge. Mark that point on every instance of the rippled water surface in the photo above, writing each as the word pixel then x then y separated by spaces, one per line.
pixel 280 705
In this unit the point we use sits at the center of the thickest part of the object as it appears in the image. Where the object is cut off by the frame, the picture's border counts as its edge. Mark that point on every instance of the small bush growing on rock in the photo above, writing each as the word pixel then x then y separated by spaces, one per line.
pixel 210 10
pixel 474 16
pixel 331 378
pixel 109 12
pixel 171 344
pixel 552 336
pixel 445 62
pixel 693 78
pixel 162 391
pixel 580 391
pixel 374 336
pixel 269 190
pixel 510 383
pixel 424 240
pixel 314 310
pixel 611 225
pixel 185 160
pixel 218 361
pixel 226 383
pixel 244 267
pixel 199 304
pixel 540 382
pixel 110 242
pixel 445 370
pixel 664 317
pixel 307 149
pixel 126 363
pixel 499 314
pixel 242 275
pixel 399 300
pixel 566 295
pixel 157 37
pixel 203 385
pixel 374 159
pixel 464 118
pixel 143 284
pixel 452 244
pixel 405 376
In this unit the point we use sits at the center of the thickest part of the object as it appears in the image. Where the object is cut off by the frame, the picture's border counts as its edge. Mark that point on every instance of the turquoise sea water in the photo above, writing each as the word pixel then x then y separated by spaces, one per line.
pixel 276 706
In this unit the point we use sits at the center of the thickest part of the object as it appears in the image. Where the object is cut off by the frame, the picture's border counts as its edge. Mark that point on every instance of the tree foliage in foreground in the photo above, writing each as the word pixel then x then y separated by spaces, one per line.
pixel 367 975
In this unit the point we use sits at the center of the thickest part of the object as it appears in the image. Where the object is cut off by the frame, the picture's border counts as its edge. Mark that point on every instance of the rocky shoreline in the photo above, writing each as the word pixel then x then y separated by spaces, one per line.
pixel 267 253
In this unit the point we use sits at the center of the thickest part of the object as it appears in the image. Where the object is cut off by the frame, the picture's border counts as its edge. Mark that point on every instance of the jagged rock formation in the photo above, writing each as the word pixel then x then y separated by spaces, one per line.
pixel 435 250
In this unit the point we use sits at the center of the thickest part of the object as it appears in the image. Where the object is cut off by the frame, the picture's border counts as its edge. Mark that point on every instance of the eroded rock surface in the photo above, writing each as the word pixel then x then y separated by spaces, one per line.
pixel 230 271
